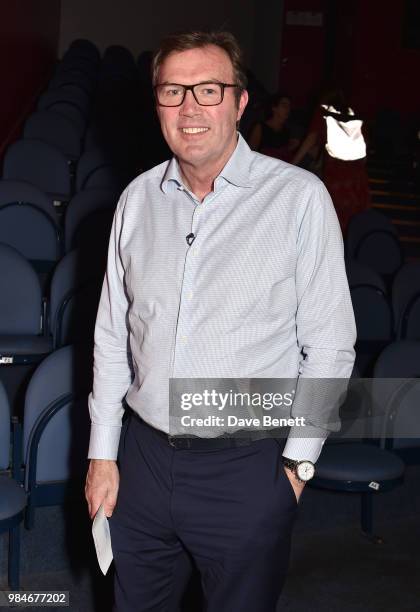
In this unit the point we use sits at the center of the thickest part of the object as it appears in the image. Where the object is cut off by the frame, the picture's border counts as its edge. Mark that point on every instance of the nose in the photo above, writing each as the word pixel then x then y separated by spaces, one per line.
pixel 189 107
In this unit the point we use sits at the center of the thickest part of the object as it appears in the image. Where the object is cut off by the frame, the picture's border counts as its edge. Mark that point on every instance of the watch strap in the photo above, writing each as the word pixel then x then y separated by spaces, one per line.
pixel 290 463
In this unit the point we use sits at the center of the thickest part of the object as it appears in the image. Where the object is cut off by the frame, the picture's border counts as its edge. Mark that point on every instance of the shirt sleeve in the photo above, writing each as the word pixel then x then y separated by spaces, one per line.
pixel 112 371
pixel 325 325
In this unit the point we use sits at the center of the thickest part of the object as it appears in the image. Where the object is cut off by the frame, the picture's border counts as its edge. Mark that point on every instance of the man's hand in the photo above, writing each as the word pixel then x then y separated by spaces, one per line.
pixel 297 485
pixel 101 487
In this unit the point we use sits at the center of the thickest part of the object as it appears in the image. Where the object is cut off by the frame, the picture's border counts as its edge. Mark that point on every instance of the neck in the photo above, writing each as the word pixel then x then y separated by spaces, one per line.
pixel 200 179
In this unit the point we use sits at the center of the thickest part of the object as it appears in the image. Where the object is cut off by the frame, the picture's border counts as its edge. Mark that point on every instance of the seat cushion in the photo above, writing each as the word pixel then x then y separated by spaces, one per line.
pixel 358 462
pixel 12 498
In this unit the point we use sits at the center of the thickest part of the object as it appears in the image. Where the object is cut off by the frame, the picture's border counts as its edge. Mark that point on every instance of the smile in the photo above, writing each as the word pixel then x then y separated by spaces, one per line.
pixel 194 130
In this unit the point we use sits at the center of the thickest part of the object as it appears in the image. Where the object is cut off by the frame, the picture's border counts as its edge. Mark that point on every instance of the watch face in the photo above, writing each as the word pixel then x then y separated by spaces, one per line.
pixel 305 470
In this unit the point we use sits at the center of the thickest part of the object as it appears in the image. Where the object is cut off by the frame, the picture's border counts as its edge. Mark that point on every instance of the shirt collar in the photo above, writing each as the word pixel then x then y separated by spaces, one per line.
pixel 236 171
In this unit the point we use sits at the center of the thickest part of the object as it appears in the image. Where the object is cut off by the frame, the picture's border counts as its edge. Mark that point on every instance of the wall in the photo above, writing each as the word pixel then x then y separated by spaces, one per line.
pixel 384 73
pixel 265 54
pixel 139 25
pixel 29 31
pixel 302 50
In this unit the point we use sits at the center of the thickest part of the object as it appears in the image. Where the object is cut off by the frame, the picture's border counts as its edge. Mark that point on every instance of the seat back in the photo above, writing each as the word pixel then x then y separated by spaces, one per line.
pixel 360 274
pixel 57 130
pixel 98 202
pixel 30 231
pixel 20 294
pixel 20 191
pixel 97 224
pixel 374 324
pixel 364 223
pixel 82 47
pixel 4 429
pixel 59 390
pixel 381 250
pixel 405 288
pixel 396 394
pixel 75 292
pixel 400 359
pixel 403 424
pixel 69 92
pixel 75 321
pixel 72 77
pixel 410 326
pixel 38 163
pixel 372 312
pixel 70 62
pixel 70 111
pixel 54 96
pixel 94 170
pixel 106 177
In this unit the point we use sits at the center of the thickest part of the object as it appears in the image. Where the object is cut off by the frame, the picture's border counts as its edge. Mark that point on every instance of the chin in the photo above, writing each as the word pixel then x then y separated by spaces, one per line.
pixel 191 153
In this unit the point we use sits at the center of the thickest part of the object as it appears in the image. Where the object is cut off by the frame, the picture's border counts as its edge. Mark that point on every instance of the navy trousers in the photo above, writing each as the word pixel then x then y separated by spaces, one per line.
pixel 231 509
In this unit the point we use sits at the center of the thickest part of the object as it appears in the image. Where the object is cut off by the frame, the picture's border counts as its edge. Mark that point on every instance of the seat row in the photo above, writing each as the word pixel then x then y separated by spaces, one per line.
pixel 29 224
pixel 84 130
pixel 82 138
pixel 401 303
pixel 380 432
pixel 382 317
pixel 55 426
pixel 31 326
pixel 45 167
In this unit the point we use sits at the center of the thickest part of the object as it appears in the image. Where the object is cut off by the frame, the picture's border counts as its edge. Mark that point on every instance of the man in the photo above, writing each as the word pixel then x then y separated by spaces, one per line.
pixel 222 263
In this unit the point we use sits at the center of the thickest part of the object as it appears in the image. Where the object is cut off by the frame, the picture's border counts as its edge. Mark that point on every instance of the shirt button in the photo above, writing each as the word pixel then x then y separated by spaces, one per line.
pixel 183 339
pixel 190 295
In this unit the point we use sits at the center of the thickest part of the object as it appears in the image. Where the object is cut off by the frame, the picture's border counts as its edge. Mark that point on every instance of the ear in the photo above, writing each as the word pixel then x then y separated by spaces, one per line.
pixel 243 101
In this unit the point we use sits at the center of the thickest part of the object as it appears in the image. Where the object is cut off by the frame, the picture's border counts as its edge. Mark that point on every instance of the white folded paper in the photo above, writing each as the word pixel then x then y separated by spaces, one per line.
pixel 102 539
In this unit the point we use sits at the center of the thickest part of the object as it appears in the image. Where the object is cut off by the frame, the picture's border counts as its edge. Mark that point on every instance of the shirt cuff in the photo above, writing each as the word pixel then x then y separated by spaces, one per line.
pixel 104 441
pixel 305 445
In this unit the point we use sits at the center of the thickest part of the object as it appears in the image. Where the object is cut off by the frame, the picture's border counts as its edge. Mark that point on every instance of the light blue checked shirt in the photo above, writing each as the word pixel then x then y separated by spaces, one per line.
pixel 263 281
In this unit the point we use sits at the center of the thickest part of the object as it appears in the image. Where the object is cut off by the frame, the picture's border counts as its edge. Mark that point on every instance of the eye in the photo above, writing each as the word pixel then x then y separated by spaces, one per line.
pixel 172 91
pixel 208 90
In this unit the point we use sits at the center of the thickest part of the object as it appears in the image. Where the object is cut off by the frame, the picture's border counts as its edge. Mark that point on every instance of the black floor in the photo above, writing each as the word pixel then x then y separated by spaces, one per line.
pixel 333 567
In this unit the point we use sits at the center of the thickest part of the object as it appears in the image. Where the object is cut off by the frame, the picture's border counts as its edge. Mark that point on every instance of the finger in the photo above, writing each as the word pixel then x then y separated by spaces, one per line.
pixel 94 507
pixel 109 504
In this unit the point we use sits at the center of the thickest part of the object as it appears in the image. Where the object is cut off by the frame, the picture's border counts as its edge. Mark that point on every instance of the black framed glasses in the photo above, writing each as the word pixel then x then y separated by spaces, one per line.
pixel 208 93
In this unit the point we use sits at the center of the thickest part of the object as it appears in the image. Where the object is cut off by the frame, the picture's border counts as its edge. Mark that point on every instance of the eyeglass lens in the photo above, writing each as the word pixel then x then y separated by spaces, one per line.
pixel 206 94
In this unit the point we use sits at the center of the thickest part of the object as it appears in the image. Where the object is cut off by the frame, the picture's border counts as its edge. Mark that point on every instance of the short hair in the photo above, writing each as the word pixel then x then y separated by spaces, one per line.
pixel 197 40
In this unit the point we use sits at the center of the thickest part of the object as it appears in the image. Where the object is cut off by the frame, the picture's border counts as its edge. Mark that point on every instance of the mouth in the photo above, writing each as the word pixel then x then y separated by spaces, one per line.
pixel 194 130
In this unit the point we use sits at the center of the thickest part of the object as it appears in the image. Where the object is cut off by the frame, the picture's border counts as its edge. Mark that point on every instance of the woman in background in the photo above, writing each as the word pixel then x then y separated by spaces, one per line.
pixel 274 136
pixel 336 133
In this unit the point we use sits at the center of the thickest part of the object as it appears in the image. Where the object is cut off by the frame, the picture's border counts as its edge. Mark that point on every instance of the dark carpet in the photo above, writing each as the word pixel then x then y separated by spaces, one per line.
pixel 333 568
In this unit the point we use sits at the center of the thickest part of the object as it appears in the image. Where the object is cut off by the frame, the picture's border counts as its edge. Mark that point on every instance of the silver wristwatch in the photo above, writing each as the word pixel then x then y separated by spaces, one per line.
pixel 303 470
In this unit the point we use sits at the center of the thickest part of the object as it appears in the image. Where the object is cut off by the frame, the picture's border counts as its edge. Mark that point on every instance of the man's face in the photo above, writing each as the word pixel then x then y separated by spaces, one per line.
pixel 214 146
